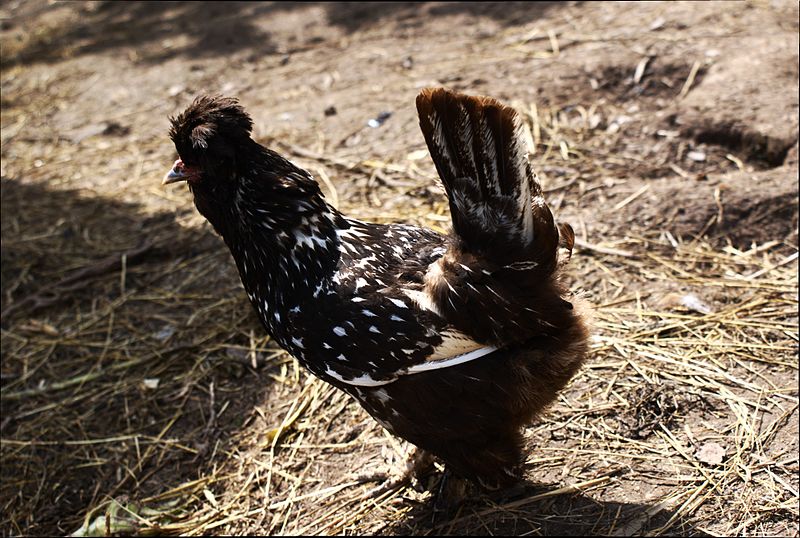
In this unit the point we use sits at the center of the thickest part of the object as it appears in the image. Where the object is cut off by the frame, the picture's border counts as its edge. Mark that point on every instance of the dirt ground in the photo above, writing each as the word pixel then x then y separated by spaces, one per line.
pixel 139 392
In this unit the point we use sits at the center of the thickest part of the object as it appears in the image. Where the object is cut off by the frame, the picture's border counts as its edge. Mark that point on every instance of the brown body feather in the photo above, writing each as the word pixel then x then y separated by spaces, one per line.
pixel 498 283
pixel 472 416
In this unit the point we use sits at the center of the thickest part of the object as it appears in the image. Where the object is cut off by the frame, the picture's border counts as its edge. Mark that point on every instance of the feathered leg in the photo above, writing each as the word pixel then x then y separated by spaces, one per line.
pixel 416 465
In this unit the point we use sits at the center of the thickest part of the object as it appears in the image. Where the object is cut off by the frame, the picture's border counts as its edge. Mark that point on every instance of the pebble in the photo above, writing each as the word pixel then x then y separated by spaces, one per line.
pixel 696 156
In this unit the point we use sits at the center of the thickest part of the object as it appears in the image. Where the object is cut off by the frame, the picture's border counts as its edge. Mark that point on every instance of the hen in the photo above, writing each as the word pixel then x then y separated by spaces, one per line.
pixel 453 343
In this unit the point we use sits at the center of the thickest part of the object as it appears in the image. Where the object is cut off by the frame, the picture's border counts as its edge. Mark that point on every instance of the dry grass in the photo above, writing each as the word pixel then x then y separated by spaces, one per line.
pixel 151 364
pixel 140 395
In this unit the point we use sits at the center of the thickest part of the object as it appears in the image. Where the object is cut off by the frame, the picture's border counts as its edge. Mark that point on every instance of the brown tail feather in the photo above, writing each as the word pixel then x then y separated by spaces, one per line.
pixel 495 199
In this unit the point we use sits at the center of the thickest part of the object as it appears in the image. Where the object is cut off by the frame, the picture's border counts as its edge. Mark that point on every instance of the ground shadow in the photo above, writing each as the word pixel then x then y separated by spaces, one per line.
pixel 78 426
pixel 49 231
pixel 112 390
pixel 567 514
pixel 353 16
pixel 153 32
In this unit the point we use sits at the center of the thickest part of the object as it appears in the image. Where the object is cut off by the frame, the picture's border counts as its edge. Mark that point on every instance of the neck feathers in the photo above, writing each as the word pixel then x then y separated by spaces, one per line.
pixel 282 235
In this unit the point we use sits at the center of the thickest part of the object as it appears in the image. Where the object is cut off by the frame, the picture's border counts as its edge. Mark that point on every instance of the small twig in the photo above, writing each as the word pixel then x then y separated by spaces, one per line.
pixel 720 209
pixel 553 42
pixel 560 186
pixel 328 183
pixel 603 250
pixel 678 170
pixel 689 80
pixel 212 419
pixel 789 259
pixel 640 69
pixel 735 160
pixel 123 260
pixel 631 198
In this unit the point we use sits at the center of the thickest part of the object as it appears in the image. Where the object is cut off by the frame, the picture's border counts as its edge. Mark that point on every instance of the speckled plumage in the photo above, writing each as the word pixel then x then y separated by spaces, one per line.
pixel 451 342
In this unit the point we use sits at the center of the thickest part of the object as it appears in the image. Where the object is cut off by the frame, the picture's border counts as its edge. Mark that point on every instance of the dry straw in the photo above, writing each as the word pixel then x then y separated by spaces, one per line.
pixel 140 394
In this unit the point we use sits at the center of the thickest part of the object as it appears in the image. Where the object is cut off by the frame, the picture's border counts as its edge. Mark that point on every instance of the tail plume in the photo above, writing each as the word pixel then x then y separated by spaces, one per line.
pixel 496 201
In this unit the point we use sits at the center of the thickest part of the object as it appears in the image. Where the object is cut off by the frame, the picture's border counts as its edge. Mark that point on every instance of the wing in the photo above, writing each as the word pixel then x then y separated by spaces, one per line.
pixel 371 324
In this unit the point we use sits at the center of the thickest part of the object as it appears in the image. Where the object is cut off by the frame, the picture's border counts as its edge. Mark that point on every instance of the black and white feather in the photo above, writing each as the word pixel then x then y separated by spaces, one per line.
pixel 452 342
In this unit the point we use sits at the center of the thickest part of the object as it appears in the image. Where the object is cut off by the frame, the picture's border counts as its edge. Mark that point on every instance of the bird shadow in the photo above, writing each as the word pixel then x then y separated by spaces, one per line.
pixel 114 378
pixel 542 510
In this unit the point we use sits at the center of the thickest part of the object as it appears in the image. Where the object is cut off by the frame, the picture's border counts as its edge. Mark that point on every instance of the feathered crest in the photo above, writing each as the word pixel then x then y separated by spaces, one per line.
pixel 207 117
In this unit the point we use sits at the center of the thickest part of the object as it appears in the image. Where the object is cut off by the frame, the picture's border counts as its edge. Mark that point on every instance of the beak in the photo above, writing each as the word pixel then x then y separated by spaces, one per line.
pixel 178 173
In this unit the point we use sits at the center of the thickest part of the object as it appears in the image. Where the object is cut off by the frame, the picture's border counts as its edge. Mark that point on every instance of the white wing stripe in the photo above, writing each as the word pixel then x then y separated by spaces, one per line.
pixel 453 361
pixel 361 381
pixel 366 381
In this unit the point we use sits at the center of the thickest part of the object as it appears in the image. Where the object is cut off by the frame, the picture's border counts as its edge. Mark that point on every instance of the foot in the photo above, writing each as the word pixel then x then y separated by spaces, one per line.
pixel 453 490
pixel 417 464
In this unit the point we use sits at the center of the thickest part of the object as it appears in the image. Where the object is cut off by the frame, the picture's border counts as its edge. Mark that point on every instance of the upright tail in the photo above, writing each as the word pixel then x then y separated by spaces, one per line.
pixel 496 201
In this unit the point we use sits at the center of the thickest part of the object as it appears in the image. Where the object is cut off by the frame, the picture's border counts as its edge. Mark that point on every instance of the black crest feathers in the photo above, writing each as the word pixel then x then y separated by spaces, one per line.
pixel 206 118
